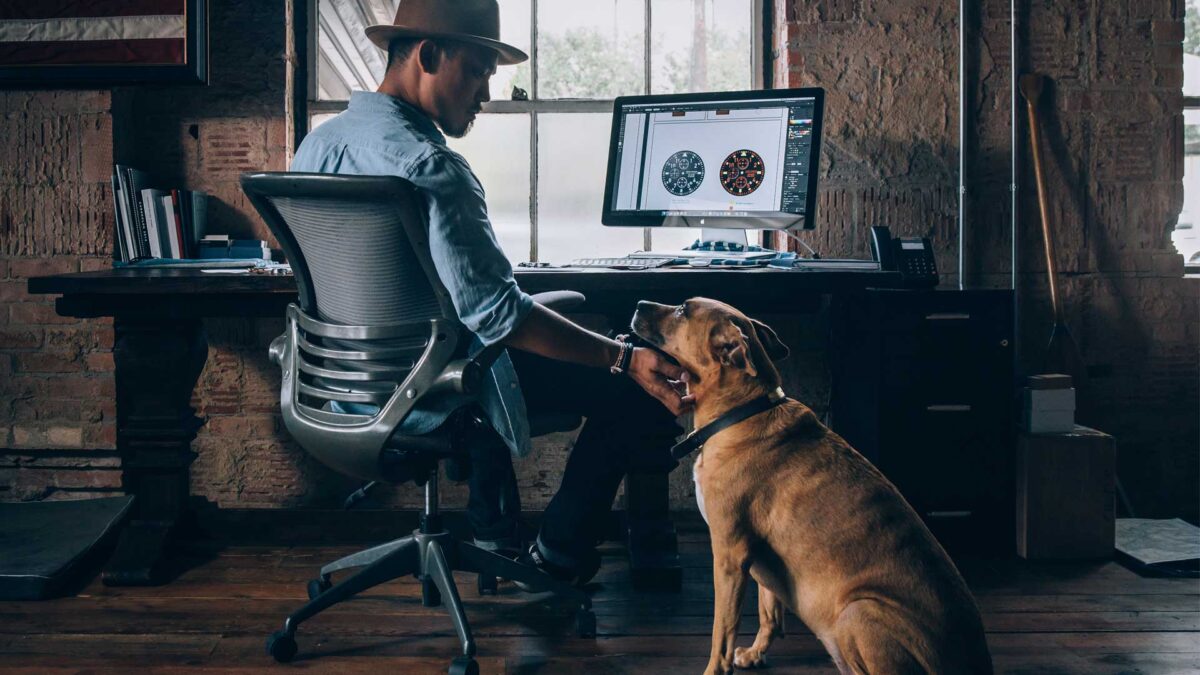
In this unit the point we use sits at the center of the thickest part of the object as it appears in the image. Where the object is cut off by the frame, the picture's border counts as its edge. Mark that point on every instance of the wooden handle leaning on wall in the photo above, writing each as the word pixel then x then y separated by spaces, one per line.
pixel 1032 86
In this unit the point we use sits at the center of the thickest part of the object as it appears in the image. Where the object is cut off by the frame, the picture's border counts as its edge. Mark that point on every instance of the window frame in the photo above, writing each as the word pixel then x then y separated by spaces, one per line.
pixel 306 103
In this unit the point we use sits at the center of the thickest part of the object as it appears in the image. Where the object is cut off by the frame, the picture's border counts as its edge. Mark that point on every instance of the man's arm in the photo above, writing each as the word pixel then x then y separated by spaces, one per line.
pixel 549 334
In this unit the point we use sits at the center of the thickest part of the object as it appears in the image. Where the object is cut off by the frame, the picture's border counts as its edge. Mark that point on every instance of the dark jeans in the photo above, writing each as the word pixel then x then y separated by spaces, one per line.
pixel 624 424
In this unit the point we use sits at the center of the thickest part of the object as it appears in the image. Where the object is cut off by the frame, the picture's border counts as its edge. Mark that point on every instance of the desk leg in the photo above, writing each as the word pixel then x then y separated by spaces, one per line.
pixel 157 365
pixel 653 547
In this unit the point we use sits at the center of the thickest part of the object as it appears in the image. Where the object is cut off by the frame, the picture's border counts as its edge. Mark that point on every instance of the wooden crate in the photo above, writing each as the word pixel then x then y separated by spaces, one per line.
pixel 1065 489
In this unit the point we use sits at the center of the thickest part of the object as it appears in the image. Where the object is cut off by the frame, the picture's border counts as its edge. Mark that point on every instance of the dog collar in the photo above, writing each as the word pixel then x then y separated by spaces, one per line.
pixel 742 412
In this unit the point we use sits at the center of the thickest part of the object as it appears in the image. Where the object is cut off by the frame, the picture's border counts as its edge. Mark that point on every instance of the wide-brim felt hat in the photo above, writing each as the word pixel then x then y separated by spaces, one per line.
pixel 471 21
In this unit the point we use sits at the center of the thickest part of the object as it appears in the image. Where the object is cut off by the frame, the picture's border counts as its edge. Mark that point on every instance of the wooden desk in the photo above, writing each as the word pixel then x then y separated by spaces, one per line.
pixel 160 350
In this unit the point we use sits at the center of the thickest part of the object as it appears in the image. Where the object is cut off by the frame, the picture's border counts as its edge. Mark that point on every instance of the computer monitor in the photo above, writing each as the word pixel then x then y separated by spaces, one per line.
pixel 741 160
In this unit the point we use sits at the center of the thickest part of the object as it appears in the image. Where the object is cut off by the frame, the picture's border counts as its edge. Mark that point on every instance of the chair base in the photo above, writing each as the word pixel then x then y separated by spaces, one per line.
pixel 432 557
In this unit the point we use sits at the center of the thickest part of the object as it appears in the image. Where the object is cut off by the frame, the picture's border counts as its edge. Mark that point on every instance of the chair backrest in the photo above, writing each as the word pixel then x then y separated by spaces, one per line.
pixel 374 326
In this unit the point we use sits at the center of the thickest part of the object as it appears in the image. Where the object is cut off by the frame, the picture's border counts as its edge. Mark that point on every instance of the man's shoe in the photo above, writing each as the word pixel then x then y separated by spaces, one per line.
pixel 512 545
pixel 577 576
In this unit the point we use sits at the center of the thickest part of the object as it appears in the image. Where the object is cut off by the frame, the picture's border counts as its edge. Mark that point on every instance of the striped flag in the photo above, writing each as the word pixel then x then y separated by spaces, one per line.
pixel 93 32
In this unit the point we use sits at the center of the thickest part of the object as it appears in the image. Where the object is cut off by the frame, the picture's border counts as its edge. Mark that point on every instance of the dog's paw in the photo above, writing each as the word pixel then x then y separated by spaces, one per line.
pixel 749 657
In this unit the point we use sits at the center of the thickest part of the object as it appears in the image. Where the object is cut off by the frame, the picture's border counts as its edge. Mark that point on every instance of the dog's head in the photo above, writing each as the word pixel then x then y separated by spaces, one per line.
pixel 711 340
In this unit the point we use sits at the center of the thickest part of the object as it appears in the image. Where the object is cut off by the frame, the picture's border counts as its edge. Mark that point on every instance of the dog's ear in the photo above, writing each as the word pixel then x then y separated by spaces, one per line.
pixel 776 350
pixel 730 347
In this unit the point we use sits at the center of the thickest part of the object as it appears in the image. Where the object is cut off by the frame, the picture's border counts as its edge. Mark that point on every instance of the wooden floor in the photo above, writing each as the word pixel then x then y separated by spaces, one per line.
pixel 1060 618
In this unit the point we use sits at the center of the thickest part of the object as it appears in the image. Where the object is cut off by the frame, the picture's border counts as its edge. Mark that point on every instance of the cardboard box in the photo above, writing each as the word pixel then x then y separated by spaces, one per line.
pixel 1065 495
pixel 1048 410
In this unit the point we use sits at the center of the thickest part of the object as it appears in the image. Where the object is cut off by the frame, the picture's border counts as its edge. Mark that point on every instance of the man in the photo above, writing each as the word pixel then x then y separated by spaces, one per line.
pixel 441 54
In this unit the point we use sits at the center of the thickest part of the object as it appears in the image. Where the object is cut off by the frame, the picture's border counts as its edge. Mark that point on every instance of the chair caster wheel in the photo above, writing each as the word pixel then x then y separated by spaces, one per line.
pixel 464 665
pixel 585 623
pixel 486 584
pixel 318 586
pixel 281 646
pixel 430 595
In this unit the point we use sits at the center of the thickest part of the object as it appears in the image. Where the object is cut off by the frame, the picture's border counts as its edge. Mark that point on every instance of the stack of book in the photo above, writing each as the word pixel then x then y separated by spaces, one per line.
pixel 222 246
pixel 153 223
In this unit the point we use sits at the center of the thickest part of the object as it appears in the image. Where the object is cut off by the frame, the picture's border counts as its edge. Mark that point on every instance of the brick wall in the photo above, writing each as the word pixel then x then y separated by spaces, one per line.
pixel 1113 128
pixel 56 385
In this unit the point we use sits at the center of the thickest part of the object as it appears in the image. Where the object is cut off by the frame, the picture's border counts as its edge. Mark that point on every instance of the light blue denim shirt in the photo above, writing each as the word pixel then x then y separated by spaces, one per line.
pixel 382 135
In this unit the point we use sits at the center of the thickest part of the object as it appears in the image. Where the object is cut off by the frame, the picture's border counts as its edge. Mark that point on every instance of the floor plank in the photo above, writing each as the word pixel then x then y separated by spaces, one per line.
pixel 1093 617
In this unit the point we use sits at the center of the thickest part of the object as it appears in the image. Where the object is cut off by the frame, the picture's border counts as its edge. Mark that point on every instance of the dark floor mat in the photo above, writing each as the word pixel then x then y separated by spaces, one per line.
pixel 45 546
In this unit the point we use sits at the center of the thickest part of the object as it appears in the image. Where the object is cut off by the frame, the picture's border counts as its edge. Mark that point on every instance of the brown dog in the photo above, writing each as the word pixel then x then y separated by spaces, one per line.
pixel 815 524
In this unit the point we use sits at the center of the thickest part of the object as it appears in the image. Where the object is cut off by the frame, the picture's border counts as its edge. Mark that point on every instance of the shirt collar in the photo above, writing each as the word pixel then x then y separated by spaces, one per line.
pixel 376 102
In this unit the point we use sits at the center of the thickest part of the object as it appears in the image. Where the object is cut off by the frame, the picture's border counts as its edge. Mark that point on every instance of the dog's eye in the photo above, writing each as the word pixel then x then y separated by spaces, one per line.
pixel 681 310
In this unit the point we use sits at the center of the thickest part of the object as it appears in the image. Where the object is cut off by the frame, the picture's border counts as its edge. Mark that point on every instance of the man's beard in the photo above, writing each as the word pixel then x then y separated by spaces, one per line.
pixel 458 132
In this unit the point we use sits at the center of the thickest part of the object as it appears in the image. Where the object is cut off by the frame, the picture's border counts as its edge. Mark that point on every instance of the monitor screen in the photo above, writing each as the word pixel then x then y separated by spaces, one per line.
pixel 733 159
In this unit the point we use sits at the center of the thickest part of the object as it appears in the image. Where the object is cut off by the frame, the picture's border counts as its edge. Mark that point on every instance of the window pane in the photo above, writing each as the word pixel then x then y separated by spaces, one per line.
pixel 1185 235
pixel 701 45
pixel 318 119
pixel 346 60
pixel 514 29
pixel 572 160
pixel 591 49
pixel 497 149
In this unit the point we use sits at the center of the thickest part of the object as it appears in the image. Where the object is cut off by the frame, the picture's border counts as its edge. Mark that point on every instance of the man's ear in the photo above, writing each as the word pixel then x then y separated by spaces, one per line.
pixel 730 347
pixel 776 350
pixel 430 56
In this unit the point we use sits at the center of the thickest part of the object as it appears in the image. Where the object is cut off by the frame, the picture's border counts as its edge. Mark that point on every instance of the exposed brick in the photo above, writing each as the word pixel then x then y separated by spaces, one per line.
pixel 14 291
pixel 93 264
pixel 30 436
pixel 36 313
pixel 99 362
pixel 47 362
pixel 20 338
pixel 242 426
pixel 23 268
pixel 1167 31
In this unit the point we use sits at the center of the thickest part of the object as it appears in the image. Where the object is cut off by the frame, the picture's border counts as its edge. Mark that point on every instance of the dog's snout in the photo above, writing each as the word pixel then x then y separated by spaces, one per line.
pixel 646 306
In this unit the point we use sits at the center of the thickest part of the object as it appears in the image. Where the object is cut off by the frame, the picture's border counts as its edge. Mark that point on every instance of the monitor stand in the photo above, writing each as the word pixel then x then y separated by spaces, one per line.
pixel 709 235
pixel 712 235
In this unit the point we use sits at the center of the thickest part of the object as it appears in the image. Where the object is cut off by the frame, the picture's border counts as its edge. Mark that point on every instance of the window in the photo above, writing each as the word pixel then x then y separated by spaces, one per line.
pixel 542 161
pixel 1186 235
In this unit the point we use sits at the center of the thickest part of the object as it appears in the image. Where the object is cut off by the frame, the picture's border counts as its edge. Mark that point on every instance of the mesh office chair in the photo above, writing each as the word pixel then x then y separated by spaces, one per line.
pixel 374 325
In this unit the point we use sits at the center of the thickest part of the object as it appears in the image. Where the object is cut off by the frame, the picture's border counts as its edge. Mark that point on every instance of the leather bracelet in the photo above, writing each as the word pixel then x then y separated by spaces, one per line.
pixel 624 357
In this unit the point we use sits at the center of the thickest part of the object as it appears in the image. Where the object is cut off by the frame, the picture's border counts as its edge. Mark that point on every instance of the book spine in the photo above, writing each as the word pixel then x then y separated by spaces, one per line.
pixel 171 226
pixel 137 217
pixel 199 214
pixel 152 231
pixel 183 207
pixel 120 253
pixel 177 216
pixel 143 226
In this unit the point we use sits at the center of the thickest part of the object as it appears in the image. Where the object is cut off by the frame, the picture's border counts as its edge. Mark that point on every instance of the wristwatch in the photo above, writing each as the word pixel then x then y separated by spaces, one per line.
pixel 623 357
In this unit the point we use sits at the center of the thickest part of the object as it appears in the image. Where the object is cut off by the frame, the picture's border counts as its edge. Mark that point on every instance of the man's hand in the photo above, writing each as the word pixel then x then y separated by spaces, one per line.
pixel 661 379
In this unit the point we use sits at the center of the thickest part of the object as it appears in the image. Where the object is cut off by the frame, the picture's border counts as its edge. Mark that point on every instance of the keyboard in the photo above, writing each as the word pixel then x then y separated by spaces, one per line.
pixel 623 263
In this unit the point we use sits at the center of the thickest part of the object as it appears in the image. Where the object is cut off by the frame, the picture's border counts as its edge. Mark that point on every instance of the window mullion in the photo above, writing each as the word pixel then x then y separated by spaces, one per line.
pixel 533 132
pixel 647 242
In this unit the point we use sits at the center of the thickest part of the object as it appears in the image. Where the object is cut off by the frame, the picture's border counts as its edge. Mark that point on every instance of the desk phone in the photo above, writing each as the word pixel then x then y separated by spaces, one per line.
pixel 912 257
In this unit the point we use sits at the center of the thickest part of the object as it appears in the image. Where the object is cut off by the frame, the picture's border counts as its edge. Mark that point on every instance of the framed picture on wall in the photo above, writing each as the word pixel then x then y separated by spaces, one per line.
pixel 102 43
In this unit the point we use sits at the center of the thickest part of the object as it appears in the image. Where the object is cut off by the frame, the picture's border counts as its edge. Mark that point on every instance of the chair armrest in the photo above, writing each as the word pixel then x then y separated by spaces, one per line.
pixel 277 349
pixel 560 301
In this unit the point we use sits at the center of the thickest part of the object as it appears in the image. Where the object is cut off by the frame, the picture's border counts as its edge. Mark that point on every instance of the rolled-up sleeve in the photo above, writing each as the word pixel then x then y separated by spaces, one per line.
pixel 468 259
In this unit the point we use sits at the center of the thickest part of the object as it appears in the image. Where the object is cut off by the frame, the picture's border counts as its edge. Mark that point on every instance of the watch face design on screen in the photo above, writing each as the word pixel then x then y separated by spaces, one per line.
pixel 742 172
pixel 682 173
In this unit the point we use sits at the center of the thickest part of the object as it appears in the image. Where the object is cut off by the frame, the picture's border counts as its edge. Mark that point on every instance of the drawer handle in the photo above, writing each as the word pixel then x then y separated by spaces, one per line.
pixel 948 514
pixel 947 317
pixel 948 408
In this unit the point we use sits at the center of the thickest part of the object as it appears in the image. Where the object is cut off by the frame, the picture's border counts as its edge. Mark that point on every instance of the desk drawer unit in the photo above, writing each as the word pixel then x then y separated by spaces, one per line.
pixel 922 386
